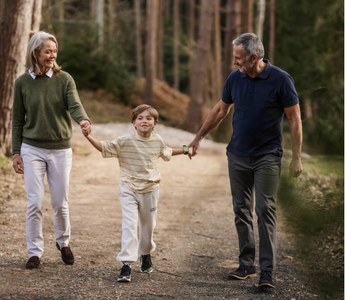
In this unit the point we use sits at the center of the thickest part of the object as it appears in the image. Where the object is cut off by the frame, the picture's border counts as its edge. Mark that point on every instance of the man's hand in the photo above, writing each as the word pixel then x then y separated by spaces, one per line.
pixel 296 167
pixel 18 164
pixel 194 146
pixel 190 153
pixel 85 127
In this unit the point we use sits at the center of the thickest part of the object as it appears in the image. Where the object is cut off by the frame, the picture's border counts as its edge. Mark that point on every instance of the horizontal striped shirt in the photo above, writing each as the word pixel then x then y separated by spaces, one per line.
pixel 138 158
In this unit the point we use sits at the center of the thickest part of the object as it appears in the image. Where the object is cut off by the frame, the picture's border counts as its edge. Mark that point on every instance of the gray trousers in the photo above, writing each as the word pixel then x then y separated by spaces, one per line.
pixel 259 175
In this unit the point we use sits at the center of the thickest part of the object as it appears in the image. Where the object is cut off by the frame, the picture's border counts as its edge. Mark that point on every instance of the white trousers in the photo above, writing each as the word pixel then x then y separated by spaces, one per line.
pixel 57 164
pixel 137 207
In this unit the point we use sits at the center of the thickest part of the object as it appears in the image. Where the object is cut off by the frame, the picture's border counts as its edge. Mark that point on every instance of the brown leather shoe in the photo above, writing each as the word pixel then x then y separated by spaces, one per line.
pixel 33 263
pixel 66 254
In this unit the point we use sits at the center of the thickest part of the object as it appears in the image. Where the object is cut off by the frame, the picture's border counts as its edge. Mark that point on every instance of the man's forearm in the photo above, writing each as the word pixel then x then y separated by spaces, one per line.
pixel 216 116
pixel 296 139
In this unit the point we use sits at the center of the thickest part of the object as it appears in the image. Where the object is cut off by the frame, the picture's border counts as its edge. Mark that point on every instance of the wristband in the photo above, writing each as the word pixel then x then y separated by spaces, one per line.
pixel 14 155
pixel 185 149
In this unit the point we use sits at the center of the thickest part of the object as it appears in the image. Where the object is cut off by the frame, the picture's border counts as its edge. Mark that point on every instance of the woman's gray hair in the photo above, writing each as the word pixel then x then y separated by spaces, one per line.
pixel 34 48
pixel 251 44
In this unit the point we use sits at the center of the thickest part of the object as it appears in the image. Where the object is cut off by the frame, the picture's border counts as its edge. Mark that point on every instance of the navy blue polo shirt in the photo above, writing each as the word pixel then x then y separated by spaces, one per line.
pixel 259 109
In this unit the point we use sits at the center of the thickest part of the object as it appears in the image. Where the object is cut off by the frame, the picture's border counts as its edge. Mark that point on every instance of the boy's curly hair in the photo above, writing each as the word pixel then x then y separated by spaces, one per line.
pixel 141 108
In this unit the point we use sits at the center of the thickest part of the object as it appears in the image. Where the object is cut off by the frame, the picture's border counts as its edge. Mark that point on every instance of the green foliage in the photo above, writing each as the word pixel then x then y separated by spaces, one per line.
pixel 94 69
pixel 111 67
pixel 4 162
pixel 184 55
pixel 313 207
pixel 310 46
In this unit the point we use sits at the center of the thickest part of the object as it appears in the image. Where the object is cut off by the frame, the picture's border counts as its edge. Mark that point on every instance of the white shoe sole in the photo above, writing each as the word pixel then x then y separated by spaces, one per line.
pixel 146 271
pixel 124 279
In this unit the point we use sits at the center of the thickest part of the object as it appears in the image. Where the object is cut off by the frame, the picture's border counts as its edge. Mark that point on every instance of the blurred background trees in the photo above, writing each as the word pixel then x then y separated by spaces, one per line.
pixel 110 44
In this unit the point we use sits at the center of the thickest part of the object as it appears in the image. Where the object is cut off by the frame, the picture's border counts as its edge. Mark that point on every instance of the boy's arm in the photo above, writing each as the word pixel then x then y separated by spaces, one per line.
pixel 180 151
pixel 96 143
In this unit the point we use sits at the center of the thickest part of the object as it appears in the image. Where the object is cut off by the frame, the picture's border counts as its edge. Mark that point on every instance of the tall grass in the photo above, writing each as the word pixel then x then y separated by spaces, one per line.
pixel 313 206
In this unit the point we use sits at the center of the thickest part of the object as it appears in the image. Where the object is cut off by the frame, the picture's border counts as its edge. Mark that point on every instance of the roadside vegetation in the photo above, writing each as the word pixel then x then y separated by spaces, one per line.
pixel 5 168
pixel 313 207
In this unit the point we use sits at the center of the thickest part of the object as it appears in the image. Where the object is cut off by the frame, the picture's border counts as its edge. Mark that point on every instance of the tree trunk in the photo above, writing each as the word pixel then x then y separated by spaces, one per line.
pixel 160 35
pixel 100 23
pixel 2 3
pixel 218 81
pixel 36 16
pixel 111 16
pixel 93 9
pixel 261 19
pixel 15 31
pixel 167 5
pixel 176 44
pixel 272 32
pixel 191 42
pixel 46 4
pixel 195 118
pixel 151 24
pixel 246 16
pixel 232 31
pixel 61 30
pixel 138 37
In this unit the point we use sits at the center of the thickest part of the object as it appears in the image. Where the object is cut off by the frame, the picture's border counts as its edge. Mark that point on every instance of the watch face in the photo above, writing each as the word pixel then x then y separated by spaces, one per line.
pixel 185 149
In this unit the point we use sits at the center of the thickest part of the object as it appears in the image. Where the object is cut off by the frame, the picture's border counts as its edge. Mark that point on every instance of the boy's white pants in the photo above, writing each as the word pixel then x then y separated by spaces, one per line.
pixel 57 164
pixel 137 207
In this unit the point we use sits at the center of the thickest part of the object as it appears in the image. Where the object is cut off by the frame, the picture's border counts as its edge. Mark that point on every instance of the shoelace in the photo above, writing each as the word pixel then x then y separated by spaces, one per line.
pixel 146 260
pixel 243 268
pixel 266 275
pixel 123 269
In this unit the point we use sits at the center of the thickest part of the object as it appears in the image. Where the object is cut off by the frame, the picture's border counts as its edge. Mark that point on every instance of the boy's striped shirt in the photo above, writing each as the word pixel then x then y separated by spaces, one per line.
pixel 138 158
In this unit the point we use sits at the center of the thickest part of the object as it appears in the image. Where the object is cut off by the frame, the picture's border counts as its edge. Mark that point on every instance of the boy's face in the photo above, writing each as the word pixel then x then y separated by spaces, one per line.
pixel 144 124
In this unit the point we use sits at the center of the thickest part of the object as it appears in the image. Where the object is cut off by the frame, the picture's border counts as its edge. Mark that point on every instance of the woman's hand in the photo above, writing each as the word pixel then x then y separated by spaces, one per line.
pixel 18 164
pixel 85 127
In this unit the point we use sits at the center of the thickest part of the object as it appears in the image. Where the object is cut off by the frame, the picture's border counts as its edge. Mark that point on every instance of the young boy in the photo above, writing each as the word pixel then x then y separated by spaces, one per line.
pixel 138 153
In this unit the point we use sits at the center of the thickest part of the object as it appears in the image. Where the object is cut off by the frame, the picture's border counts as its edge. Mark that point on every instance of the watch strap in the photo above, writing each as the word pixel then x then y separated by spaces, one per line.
pixel 185 152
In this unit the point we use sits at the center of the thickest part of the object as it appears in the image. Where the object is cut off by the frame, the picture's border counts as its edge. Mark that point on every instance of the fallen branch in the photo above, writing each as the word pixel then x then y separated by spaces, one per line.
pixel 158 295
pixel 203 256
pixel 167 273
pixel 204 235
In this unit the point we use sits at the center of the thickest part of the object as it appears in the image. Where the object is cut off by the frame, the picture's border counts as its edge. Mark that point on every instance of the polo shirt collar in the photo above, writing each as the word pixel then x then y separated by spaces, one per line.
pixel 264 74
pixel 49 73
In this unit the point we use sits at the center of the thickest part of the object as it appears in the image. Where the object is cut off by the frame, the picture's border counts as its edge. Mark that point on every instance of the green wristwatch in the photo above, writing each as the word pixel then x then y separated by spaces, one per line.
pixel 185 149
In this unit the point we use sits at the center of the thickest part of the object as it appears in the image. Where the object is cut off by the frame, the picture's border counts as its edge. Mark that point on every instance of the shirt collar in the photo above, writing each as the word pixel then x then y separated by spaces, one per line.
pixel 49 73
pixel 139 137
pixel 264 74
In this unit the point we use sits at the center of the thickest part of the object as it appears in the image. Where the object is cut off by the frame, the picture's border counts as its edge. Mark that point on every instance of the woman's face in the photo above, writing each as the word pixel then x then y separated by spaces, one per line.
pixel 47 55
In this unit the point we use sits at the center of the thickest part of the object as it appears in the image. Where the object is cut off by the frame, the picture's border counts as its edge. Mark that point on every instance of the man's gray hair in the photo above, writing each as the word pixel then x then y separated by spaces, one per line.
pixel 251 44
pixel 34 48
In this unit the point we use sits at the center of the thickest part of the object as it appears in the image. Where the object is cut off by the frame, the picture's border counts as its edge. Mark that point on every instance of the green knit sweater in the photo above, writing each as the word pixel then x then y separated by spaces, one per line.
pixel 42 108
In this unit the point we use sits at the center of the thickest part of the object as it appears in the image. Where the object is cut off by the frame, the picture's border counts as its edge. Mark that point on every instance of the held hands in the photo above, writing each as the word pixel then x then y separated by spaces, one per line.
pixel 18 164
pixel 190 153
pixel 193 147
pixel 85 126
pixel 296 167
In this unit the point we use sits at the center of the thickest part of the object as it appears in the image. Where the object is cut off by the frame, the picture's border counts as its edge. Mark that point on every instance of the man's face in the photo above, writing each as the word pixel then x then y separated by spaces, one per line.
pixel 241 60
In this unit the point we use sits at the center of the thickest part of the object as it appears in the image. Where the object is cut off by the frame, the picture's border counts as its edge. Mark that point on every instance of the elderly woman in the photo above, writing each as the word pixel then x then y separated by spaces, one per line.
pixel 45 99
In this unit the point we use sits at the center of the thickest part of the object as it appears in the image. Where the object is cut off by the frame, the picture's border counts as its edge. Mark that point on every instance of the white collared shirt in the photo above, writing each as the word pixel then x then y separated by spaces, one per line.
pixel 49 73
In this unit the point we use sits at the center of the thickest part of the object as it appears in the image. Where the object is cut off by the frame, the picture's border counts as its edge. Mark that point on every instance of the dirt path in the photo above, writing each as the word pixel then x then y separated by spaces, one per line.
pixel 196 239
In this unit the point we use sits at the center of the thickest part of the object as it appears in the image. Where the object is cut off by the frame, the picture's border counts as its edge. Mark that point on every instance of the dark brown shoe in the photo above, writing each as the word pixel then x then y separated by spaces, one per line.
pixel 33 263
pixel 66 254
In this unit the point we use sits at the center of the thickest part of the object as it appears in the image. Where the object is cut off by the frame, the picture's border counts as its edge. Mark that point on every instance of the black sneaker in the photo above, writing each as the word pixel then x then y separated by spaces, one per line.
pixel 243 272
pixel 125 275
pixel 146 264
pixel 266 280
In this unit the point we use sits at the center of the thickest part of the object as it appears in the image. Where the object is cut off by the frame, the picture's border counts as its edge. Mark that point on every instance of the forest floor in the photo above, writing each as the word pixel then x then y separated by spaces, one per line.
pixel 197 244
